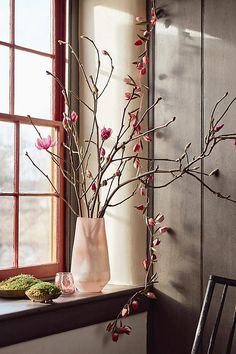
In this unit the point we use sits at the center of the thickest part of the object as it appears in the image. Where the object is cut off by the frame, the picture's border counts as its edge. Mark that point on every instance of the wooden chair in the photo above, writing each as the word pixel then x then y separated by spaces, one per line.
pixel 213 280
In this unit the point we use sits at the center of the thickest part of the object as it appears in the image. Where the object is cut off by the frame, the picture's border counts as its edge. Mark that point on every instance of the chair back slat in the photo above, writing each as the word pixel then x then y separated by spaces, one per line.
pixel 216 326
pixel 231 334
pixel 197 344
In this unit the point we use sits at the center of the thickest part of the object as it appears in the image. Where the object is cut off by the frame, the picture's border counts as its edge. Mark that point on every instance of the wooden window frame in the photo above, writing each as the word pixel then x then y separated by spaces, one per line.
pixel 58 57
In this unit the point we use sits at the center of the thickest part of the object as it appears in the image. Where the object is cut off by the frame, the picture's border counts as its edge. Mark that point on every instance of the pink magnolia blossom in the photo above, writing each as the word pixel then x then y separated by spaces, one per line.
pixel 142 191
pixel 140 207
pixel 146 263
pixel 94 187
pixel 146 34
pixel 128 95
pixel 74 117
pixel 135 305
pixel 139 65
pixel 153 21
pixel 147 138
pixel 150 178
pixel 45 143
pixel 136 147
pixel 108 158
pixel 125 311
pixel 102 152
pixel 115 336
pixel 137 128
pixel 145 60
pixel 138 42
pixel 106 133
pixel 118 173
pixel 156 242
pixel 143 71
pixel 218 127
pixel 125 330
pixel 163 229
pixel 153 257
pixel 137 163
pixel 160 218
pixel 151 222
pixel 151 295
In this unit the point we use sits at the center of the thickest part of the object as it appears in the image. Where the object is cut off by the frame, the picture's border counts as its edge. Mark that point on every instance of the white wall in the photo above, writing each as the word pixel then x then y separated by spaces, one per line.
pixel 87 340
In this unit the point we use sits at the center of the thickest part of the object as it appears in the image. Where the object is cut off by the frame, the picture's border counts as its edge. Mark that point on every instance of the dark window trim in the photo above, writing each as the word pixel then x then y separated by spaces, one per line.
pixel 63 315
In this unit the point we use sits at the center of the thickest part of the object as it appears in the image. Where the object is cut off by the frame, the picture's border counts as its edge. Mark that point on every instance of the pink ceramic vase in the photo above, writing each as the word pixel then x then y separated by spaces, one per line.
pixel 90 261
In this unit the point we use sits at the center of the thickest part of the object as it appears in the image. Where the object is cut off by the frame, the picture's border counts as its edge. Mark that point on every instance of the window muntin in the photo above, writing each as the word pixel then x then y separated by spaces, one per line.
pixel 31 212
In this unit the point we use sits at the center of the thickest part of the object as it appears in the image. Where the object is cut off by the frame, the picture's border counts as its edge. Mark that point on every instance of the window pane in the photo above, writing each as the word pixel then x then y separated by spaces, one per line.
pixel 31 179
pixel 37 230
pixel 6 157
pixel 6 232
pixel 32 85
pixel 4 79
pixel 33 24
pixel 4 20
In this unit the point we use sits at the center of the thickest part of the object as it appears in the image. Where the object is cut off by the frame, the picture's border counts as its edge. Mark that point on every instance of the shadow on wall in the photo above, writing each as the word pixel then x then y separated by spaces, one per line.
pixel 167 334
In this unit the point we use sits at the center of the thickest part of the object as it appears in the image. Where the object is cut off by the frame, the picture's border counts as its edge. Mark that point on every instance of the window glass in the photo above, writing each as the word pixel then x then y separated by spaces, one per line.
pixel 36 230
pixel 32 85
pixel 31 179
pixel 33 24
pixel 6 231
pixel 4 79
pixel 6 157
pixel 4 20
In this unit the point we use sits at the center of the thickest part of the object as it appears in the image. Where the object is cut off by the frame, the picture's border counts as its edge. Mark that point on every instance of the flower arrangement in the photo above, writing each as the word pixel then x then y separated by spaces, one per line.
pixel 108 176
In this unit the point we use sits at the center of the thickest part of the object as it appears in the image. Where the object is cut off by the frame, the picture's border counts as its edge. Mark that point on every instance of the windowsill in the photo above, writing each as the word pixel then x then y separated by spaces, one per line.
pixel 23 320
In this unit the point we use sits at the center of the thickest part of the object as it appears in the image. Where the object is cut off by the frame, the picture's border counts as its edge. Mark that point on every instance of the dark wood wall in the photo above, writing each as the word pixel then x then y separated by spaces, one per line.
pixel 195 64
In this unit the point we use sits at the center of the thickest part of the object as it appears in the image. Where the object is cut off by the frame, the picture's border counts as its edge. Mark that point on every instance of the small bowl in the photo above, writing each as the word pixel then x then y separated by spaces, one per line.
pixel 43 298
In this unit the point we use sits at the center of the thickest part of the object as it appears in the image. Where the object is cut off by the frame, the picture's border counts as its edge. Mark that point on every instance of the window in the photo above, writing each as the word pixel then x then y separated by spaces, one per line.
pixel 31 213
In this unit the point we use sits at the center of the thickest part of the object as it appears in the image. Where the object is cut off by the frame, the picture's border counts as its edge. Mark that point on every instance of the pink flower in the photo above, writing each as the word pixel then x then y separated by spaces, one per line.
pixel 219 127
pixel 94 187
pixel 163 229
pixel 139 65
pixel 128 95
pixel 136 148
pixel 125 329
pixel 106 133
pixel 137 128
pixel 45 143
pixel 140 207
pixel 146 34
pixel 145 60
pixel 147 138
pixel 146 263
pixel 151 295
pixel 156 242
pixel 102 152
pixel 138 42
pixel 142 191
pixel 115 336
pixel 153 21
pixel 151 222
pixel 137 163
pixel 143 71
pixel 125 311
pixel 150 178
pixel 153 257
pixel 160 218
pixel 108 158
pixel 118 173
pixel 153 12
pixel 135 305
pixel 74 117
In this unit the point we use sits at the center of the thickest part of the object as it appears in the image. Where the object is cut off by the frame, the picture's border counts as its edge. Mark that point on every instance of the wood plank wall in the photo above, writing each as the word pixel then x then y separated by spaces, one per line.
pixel 195 51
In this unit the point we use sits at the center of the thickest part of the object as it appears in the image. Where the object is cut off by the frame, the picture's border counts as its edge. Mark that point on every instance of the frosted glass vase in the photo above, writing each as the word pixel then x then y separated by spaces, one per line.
pixel 90 262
